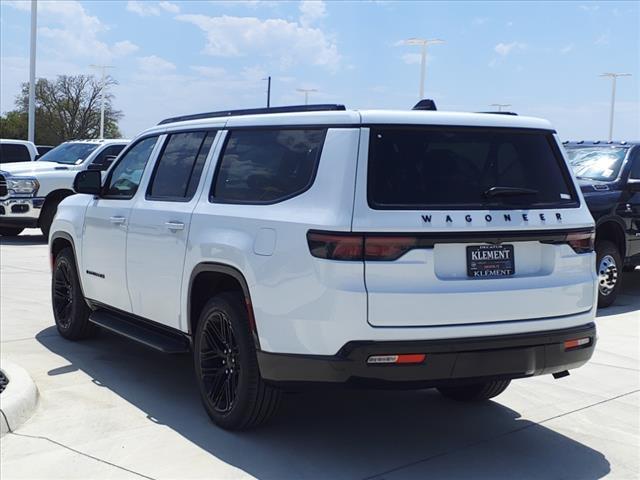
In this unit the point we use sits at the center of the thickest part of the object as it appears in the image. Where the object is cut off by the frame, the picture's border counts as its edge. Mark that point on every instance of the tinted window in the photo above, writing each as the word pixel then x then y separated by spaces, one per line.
pixel 42 149
pixel 597 163
pixel 110 151
pixel 180 164
pixel 413 168
pixel 11 152
pixel 635 168
pixel 125 176
pixel 69 153
pixel 267 165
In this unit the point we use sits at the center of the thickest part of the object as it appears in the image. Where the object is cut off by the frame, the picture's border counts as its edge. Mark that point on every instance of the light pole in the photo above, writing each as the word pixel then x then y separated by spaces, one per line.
pixel 103 69
pixel 31 129
pixel 268 79
pixel 500 105
pixel 306 92
pixel 424 43
pixel 613 77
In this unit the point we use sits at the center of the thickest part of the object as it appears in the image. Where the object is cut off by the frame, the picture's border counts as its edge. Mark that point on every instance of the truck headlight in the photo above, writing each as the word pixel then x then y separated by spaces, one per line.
pixel 23 185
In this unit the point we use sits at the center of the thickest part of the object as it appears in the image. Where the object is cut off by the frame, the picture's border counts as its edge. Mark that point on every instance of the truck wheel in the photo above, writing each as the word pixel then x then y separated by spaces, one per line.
pixel 232 390
pixel 475 392
pixel 70 310
pixel 10 232
pixel 46 217
pixel 609 265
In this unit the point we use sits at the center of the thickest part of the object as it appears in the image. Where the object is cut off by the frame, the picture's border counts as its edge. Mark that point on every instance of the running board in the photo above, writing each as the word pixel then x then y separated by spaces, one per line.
pixel 155 337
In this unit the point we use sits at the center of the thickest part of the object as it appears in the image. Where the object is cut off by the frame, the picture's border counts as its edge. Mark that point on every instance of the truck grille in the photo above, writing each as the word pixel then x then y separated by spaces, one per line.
pixel 3 186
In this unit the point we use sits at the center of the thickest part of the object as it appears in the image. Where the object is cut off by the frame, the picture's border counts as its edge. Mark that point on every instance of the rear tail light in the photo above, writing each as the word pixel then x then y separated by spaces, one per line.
pixel 354 246
pixel 582 242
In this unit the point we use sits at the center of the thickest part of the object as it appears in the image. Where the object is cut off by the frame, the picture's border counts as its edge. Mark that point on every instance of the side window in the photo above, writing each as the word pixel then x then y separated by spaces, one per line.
pixel 14 152
pixel 125 177
pixel 266 166
pixel 635 168
pixel 102 160
pixel 179 166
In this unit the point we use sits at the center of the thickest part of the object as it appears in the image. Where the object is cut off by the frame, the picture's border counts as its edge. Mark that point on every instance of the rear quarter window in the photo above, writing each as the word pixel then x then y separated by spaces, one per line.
pixel 267 165
pixel 455 168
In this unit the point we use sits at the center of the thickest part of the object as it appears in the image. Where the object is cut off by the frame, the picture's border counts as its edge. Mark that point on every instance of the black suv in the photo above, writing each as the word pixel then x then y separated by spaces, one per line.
pixel 609 175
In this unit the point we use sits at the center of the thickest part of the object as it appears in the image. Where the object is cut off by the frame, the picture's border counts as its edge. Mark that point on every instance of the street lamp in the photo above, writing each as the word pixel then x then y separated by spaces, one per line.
pixel 306 92
pixel 31 122
pixel 268 79
pixel 500 105
pixel 103 69
pixel 613 77
pixel 424 43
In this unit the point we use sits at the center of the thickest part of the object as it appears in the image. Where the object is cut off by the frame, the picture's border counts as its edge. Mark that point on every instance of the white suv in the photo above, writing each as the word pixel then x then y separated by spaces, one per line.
pixel 31 191
pixel 375 248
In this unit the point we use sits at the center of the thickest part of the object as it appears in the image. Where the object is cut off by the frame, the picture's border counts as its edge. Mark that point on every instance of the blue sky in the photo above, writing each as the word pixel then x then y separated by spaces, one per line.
pixel 175 57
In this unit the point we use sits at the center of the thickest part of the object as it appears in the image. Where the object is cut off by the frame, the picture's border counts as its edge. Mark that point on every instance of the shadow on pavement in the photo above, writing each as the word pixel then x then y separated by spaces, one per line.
pixel 25 239
pixel 336 433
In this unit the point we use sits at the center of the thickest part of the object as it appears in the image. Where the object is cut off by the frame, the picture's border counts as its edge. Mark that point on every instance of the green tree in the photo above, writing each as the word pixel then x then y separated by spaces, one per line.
pixel 67 108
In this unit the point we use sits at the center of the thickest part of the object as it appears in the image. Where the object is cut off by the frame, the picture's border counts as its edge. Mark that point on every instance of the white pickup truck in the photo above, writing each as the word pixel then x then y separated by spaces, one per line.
pixel 30 191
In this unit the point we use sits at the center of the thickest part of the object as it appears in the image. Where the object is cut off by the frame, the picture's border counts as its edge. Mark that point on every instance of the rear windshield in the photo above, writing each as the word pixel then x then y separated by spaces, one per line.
pixel 14 152
pixel 69 153
pixel 466 167
pixel 596 163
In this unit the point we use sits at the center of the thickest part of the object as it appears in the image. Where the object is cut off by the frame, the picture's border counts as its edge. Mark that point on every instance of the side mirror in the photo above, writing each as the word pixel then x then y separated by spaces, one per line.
pixel 88 181
pixel 634 184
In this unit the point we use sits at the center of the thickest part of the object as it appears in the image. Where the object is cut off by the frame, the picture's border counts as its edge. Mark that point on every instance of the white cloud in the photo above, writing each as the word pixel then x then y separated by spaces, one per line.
pixel 505 49
pixel 590 8
pixel 509 24
pixel 155 64
pixel 144 9
pixel 311 11
pixel 212 72
pixel 566 49
pixel 169 7
pixel 602 39
pixel 121 49
pixel 279 40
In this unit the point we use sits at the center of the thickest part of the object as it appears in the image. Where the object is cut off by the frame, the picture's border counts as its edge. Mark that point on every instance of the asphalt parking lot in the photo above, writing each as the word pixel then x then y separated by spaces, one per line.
pixel 112 409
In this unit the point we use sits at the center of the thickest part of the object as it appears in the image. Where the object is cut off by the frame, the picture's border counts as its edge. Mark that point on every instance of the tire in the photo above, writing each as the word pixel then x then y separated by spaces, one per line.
pixel 475 392
pixel 70 310
pixel 10 231
pixel 236 397
pixel 46 217
pixel 609 269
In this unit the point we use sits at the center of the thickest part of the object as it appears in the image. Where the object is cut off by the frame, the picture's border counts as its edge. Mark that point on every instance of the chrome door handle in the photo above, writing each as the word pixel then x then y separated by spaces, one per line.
pixel 174 226
pixel 117 220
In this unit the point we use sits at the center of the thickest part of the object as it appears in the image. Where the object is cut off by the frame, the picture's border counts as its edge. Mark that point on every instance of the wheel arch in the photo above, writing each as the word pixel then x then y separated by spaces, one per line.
pixel 210 278
pixel 612 229
pixel 58 242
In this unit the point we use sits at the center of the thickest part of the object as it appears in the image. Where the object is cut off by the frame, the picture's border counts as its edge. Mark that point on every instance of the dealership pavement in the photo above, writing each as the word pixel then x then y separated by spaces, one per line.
pixel 112 409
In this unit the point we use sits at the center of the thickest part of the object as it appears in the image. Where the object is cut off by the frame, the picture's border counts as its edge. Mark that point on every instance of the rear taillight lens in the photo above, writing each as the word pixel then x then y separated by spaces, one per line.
pixel 354 246
pixel 582 242
pixel 336 246
pixel 388 248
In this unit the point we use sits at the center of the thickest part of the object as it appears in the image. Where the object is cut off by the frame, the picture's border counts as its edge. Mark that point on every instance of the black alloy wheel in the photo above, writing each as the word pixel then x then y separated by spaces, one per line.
pixel 62 295
pixel 219 365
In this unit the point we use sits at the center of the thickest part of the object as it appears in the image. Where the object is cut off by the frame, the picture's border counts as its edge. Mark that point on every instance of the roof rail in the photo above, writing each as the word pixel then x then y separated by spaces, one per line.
pixel 322 107
pixel 425 104
pixel 501 113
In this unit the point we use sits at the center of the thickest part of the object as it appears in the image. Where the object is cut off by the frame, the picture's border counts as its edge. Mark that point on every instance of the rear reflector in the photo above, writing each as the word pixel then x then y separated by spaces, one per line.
pixel 397 359
pixel 578 342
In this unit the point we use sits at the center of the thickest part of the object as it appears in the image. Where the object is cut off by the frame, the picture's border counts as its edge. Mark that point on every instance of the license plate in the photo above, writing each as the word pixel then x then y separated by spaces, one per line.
pixel 490 261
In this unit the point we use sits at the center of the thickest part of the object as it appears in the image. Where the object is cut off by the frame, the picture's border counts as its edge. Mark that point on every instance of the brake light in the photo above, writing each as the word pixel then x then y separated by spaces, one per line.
pixel 354 246
pixel 336 246
pixel 582 242
pixel 388 248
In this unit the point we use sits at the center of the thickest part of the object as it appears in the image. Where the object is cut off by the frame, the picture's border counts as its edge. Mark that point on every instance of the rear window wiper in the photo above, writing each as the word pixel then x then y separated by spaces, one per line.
pixel 508 192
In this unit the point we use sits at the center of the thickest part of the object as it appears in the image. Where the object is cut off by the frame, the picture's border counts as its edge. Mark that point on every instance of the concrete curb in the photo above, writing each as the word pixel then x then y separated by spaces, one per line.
pixel 19 399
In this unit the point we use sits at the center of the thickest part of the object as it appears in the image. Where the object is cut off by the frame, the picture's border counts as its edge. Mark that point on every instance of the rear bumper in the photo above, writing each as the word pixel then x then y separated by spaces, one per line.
pixel 447 361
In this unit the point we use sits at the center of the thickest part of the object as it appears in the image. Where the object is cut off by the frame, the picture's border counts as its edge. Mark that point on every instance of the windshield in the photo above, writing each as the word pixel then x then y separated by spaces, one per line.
pixel 69 153
pixel 596 163
pixel 465 167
